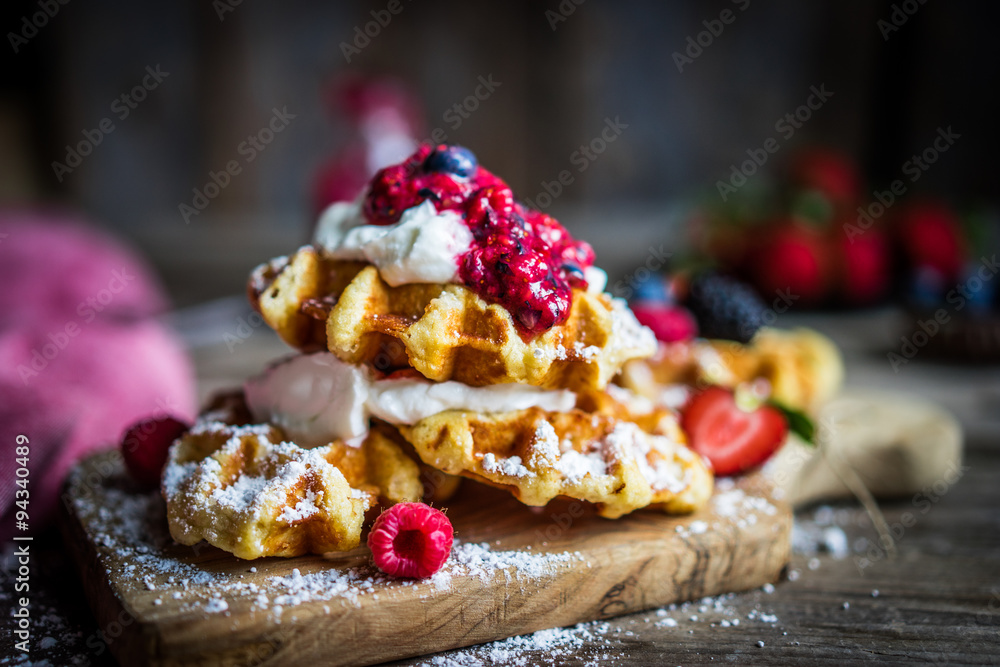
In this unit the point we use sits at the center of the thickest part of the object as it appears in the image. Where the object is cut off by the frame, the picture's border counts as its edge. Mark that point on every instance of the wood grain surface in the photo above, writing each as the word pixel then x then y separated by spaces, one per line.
pixel 608 568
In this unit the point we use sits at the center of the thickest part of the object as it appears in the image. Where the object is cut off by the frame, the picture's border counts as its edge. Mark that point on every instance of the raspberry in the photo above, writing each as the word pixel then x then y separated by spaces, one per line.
pixel 145 446
pixel 411 540
pixel 670 323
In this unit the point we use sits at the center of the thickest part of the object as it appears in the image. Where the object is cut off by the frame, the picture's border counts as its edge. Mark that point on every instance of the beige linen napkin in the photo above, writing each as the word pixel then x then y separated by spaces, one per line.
pixel 884 445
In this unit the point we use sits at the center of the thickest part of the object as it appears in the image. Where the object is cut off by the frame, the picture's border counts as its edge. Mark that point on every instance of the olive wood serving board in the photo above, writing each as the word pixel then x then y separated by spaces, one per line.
pixel 160 603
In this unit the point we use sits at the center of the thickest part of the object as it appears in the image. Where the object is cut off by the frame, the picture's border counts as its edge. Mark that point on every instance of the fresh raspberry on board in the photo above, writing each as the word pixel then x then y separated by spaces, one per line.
pixel 145 446
pixel 411 540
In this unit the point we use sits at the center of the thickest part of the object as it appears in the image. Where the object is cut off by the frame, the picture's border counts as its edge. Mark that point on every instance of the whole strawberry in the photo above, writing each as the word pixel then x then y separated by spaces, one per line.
pixel 793 258
pixel 865 267
pixel 145 447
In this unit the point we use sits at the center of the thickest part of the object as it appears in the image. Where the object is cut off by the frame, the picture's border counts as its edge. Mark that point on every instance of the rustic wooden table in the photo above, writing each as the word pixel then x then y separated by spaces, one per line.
pixel 845 601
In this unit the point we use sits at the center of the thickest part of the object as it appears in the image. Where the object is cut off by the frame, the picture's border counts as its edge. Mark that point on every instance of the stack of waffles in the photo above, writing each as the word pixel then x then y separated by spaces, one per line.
pixel 442 331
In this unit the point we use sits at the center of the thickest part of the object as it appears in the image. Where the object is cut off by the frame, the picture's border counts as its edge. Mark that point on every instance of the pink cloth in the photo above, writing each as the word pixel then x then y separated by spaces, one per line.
pixel 81 355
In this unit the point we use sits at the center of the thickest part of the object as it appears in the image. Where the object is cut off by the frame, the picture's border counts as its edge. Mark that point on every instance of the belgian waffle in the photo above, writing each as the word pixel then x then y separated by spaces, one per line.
pixel 249 491
pixel 539 455
pixel 803 367
pixel 445 332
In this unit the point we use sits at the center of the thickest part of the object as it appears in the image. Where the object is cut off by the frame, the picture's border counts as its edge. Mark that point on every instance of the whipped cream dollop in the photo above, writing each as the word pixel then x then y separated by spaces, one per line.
pixel 425 246
pixel 316 398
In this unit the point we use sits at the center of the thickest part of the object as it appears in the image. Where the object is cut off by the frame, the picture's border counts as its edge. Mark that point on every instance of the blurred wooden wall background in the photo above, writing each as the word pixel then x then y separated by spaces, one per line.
pixel 228 69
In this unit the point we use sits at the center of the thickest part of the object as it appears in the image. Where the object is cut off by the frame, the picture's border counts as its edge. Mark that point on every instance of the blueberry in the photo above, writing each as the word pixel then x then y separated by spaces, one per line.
pixel 652 289
pixel 926 288
pixel 455 160
pixel 573 269
pixel 980 299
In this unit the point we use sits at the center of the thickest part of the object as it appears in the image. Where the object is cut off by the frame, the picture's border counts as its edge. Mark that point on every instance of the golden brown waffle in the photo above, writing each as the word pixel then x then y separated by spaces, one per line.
pixel 804 367
pixel 539 455
pixel 289 293
pixel 446 332
pixel 248 491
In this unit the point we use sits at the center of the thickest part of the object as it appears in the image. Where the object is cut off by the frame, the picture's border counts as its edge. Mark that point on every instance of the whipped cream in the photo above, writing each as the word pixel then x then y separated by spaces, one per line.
pixel 597 279
pixel 423 247
pixel 316 398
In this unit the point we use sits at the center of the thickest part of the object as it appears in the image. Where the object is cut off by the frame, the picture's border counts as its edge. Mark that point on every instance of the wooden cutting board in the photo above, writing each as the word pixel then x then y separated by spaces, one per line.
pixel 514 570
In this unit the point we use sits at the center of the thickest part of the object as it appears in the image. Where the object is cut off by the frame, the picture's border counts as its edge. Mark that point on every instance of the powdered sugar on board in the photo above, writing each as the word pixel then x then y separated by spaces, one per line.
pixel 602 642
pixel 498 582
pixel 545 647
pixel 129 528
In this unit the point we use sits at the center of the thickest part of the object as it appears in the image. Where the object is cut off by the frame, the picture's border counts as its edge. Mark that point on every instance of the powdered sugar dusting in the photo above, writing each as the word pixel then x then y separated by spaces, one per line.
pixel 574 466
pixel 657 456
pixel 545 647
pixel 304 509
pixel 511 467
pixel 131 536
pixel 480 561
pixel 130 531
pixel 588 352
pixel 556 353
pixel 545 447
pixel 216 605
pixel 626 332
pixel 602 642
pixel 739 506
pixel 549 452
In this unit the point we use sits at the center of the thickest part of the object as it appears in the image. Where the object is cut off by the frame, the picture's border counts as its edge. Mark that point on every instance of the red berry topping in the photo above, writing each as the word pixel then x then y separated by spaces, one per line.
pixel 411 540
pixel 145 446
pixel 733 439
pixel 521 259
pixel 670 323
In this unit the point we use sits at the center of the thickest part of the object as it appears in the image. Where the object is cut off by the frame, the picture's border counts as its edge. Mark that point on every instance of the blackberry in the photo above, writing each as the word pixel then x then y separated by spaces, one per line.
pixel 725 307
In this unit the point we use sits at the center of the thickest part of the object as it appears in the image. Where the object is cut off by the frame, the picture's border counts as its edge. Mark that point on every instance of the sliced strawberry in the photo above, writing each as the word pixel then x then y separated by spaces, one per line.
pixel 733 439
